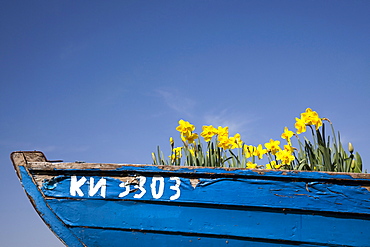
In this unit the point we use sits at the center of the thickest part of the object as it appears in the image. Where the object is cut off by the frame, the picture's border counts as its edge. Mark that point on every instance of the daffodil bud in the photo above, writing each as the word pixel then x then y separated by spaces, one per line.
pixel 154 159
pixel 350 147
pixel 353 164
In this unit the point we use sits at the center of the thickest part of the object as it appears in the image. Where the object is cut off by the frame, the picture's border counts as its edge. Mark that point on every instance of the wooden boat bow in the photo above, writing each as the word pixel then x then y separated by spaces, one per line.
pixel 95 204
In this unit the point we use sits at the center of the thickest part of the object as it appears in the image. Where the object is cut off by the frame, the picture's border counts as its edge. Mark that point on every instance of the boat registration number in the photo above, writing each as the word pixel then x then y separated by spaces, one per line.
pixel 153 187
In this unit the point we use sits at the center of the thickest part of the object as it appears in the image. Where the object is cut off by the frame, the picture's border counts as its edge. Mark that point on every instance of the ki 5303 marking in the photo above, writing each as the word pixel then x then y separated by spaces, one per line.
pixel 139 187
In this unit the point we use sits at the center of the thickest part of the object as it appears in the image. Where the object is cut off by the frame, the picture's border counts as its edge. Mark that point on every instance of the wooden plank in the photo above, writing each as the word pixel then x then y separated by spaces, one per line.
pixel 199 220
pixel 294 195
pixel 118 238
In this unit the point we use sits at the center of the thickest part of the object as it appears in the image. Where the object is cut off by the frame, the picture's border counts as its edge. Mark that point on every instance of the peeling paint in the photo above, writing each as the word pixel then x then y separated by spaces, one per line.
pixel 194 182
pixel 366 187
pixel 52 183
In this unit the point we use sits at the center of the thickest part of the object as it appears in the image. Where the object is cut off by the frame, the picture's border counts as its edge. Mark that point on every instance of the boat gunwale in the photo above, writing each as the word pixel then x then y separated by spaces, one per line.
pixel 59 167
pixel 112 166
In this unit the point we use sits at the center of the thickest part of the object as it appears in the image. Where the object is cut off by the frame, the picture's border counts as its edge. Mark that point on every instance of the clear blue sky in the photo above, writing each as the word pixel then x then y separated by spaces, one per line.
pixel 107 81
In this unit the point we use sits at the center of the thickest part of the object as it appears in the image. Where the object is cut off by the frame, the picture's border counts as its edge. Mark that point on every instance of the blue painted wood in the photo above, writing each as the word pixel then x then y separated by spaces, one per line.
pixel 160 206
pixel 116 238
pixel 270 193
pixel 63 232
pixel 234 223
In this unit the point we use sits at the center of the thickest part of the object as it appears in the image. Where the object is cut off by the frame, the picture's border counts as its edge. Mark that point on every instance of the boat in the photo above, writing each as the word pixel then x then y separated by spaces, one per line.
pixel 95 204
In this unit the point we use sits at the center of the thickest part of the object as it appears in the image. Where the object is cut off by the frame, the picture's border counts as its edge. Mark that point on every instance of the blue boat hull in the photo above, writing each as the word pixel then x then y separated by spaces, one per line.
pixel 117 205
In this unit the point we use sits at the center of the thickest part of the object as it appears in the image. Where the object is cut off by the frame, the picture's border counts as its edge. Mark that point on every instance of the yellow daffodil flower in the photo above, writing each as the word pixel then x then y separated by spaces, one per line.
pixel 270 165
pixel 248 151
pixel 208 132
pixel 192 137
pixel 287 134
pixel 300 125
pixel 236 141
pixel 285 156
pixel 223 137
pixel 176 154
pixel 224 143
pixel 185 127
pixel 289 148
pixel 223 132
pixel 251 165
pixel 317 122
pixel 273 146
pixel 308 115
pixel 273 165
pixel 259 152
pixel 311 117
